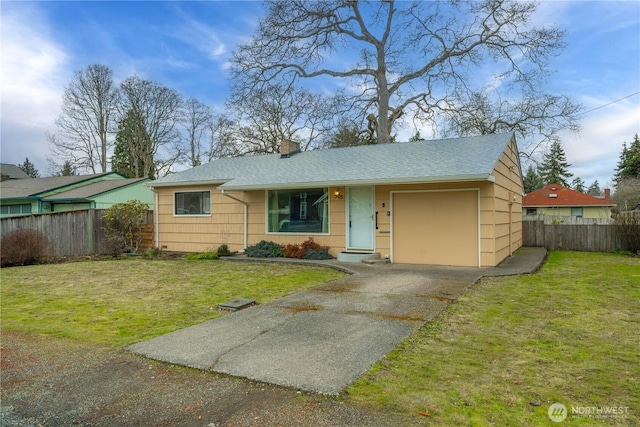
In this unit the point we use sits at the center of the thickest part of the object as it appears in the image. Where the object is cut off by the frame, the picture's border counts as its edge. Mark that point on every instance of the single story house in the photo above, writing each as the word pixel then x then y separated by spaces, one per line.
pixel 67 193
pixel 449 202
pixel 556 200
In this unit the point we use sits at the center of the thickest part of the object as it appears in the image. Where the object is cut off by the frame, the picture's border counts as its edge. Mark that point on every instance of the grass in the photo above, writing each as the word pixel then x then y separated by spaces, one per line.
pixel 511 347
pixel 120 302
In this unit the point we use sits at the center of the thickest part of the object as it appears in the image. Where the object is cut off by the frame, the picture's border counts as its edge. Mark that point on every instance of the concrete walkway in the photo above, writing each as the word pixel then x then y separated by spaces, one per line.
pixel 322 339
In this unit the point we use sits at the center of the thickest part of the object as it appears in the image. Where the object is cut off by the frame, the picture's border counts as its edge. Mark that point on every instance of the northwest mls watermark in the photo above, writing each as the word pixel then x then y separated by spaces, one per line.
pixel 559 412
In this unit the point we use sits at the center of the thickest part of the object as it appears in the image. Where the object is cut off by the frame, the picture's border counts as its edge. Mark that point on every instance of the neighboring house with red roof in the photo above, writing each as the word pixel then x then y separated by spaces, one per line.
pixel 556 200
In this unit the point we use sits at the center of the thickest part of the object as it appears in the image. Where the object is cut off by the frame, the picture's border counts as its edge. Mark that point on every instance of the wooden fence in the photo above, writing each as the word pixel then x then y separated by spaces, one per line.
pixel 71 233
pixel 575 237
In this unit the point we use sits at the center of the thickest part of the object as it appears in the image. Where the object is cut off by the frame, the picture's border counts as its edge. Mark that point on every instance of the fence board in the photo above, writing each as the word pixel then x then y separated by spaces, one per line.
pixel 575 237
pixel 71 233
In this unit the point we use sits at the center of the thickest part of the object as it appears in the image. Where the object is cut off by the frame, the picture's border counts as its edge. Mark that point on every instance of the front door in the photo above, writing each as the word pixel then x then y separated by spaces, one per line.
pixel 360 219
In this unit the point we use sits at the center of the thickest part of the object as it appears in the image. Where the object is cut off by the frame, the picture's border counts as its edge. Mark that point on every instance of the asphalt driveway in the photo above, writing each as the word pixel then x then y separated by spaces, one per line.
pixel 321 340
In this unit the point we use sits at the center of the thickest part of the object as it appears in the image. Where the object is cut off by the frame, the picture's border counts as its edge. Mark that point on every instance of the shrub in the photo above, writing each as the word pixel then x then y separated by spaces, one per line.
pixel 22 247
pixel 125 221
pixel 114 245
pixel 203 256
pixel 264 249
pixel 314 254
pixel 293 250
pixel 628 229
pixel 307 250
pixel 223 250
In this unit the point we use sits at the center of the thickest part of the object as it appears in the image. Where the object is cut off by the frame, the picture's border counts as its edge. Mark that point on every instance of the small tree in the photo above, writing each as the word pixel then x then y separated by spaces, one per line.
pixel 123 226
pixel 29 168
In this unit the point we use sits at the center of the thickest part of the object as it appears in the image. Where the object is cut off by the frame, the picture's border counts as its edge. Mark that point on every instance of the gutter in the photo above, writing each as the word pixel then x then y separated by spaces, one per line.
pixel 246 214
pixel 346 183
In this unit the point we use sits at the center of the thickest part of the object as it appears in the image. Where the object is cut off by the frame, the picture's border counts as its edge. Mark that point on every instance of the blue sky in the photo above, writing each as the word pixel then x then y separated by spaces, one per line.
pixel 187 45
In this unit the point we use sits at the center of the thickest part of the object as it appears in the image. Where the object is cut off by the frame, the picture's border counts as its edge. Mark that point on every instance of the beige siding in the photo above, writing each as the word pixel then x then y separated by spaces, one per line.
pixel 507 206
pixel 226 223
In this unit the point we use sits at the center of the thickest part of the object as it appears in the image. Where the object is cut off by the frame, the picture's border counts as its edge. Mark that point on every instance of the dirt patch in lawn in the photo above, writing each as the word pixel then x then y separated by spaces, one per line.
pixel 53 381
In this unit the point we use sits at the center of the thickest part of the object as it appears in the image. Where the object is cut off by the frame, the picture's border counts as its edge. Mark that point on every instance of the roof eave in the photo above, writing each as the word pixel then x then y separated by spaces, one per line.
pixel 573 205
pixel 154 184
pixel 344 183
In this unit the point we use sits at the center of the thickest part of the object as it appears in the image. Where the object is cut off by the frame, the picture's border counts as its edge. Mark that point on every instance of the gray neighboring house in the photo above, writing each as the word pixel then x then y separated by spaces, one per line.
pixel 9 171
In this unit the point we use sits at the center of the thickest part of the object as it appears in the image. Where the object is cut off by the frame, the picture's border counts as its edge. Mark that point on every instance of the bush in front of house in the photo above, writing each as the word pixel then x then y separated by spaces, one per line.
pixel 307 250
pixel 223 250
pixel 264 249
pixel 317 255
pixel 123 223
pixel 210 255
pixel 23 247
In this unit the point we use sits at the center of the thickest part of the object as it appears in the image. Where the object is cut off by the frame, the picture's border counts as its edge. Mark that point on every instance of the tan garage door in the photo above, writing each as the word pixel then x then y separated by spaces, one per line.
pixel 436 228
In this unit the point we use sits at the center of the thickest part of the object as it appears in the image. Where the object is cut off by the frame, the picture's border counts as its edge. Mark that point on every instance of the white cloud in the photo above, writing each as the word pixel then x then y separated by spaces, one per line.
pixel 595 151
pixel 33 76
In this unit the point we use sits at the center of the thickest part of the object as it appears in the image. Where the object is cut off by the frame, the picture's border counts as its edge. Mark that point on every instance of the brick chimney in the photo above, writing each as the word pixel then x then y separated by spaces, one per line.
pixel 288 148
pixel 607 195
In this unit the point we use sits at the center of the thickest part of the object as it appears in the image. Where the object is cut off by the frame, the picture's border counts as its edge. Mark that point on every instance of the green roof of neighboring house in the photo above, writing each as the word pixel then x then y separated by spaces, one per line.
pixel 458 159
pixel 88 191
pixel 13 171
pixel 37 187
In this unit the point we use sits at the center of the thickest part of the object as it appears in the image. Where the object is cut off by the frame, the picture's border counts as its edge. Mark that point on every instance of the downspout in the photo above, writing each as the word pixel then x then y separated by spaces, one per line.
pixel 156 217
pixel 246 206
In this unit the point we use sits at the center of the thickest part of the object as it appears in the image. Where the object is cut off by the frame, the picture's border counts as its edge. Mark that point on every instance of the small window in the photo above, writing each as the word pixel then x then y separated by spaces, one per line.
pixel 532 211
pixel 192 203
pixel 577 212
pixel 4 210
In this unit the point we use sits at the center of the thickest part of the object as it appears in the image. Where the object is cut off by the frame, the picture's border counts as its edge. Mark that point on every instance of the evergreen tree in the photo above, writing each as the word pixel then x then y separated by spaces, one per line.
pixel 67 169
pixel 532 181
pixel 629 163
pixel 29 168
pixel 132 149
pixel 578 184
pixel 594 189
pixel 555 168
pixel 416 137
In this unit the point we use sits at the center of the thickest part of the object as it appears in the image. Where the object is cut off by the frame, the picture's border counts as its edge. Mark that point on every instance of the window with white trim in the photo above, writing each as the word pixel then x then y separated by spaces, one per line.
pixel 192 203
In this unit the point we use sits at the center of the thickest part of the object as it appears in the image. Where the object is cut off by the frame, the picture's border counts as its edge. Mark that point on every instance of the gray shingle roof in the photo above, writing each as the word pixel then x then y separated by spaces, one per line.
pixel 458 159
pixel 21 188
pixel 13 171
pixel 94 189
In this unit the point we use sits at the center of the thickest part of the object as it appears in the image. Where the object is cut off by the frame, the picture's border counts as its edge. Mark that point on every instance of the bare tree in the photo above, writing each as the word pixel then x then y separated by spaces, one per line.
pixel 88 111
pixel 277 112
pixel 196 123
pixel 415 58
pixel 222 138
pixel 532 113
pixel 158 109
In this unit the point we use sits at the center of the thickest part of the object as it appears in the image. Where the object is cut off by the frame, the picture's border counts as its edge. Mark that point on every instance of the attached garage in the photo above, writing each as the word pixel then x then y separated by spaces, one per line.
pixel 436 227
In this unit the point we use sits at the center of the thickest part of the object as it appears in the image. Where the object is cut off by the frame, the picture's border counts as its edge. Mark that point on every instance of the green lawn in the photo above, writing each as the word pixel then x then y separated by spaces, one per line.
pixel 125 301
pixel 511 347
